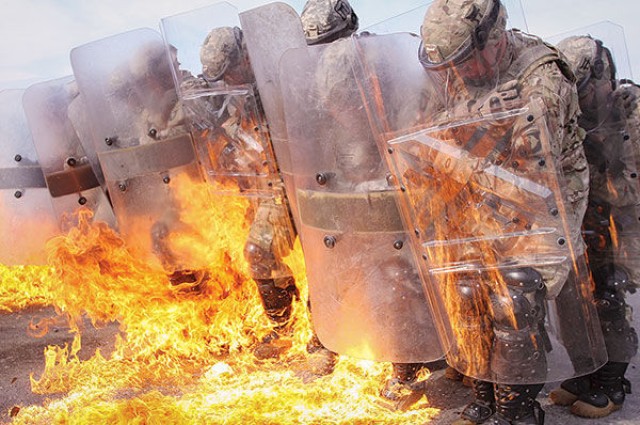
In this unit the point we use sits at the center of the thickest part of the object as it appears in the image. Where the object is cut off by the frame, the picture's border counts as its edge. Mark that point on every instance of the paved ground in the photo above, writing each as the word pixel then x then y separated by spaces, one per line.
pixel 21 355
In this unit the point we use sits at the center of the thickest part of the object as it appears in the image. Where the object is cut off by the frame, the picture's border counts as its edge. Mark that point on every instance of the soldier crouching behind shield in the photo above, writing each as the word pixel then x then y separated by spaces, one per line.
pixel 223 57
pixel 611 229
pixel 483 67
pixel 329 21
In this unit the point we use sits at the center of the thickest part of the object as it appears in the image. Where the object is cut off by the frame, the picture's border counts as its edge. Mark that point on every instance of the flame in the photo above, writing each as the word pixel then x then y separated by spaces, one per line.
pixel 183 355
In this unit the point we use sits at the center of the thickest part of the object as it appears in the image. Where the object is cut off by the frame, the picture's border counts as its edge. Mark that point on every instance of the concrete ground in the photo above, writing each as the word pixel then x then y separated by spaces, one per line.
pixel 21 355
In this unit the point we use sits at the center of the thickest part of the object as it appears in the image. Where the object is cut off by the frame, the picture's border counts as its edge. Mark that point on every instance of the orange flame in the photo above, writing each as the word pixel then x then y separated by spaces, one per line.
pixel 182 356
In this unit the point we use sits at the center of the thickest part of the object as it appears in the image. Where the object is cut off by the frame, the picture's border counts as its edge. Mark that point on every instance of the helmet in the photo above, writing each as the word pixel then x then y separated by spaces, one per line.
pixel 453 30
pixel 588 58
pixel 221 51
pixel 324 21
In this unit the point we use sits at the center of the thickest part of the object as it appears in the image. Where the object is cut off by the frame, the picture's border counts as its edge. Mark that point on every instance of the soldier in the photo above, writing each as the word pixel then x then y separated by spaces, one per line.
pixel 611 229
pixel 483 67
pixel 360 168
pixel 224 58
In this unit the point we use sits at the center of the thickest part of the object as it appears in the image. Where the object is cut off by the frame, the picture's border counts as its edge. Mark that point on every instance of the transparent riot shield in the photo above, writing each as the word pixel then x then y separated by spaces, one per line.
pixel 485 208
pixel 220 99
pixel 269 31
pixel 70 178
pixel 611 227
pixel 27 218
pixel 143 147
pixel 225 115
pixel 367 296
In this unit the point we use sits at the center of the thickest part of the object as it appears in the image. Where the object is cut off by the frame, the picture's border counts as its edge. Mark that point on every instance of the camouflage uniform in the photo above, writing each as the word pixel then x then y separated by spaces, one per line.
pixel 611 221
pixel 509 66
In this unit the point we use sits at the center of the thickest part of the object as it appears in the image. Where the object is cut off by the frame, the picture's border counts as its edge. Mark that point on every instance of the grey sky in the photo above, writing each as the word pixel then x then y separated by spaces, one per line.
pixel 37 35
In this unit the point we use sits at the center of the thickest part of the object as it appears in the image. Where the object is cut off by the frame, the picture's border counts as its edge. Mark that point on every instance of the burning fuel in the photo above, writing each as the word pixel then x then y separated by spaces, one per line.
pixel 183 354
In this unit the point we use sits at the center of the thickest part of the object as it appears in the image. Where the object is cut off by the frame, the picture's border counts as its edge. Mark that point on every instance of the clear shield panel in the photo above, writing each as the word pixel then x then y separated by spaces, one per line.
pixel 66 167
pixel 226 119
pixel 27 218
pixel 367 296
pixel 269 31
pixel 485 209
pixel 217 89
pixel 144 147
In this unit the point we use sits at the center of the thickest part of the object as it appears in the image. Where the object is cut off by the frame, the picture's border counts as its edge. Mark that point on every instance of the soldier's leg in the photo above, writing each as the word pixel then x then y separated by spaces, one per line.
pixel 473 307
pixel 482 408
pixel 608 384
pixel 402 376
pixel 517 405
pixel 602 392
pixel 519 346
pixel 274 280
pixel 186 279
pixel 321 361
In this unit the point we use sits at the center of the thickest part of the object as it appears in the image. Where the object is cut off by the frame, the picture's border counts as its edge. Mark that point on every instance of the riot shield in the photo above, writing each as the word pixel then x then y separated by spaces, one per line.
pixel 27 218
pixel 225 116
pixel 143 146
pixel 70 178
pixel 484 204
pixel 367 296
pixel 611 228
pixel 269 31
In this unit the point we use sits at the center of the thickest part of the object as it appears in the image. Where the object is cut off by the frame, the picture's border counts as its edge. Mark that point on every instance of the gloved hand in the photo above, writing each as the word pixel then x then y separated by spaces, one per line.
pixel 505 97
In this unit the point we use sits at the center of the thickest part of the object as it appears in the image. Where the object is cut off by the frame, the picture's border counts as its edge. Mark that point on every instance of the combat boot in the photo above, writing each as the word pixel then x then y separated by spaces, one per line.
pixel 482 408
pixel 517 405
pixel 277 297
pixel 570 390
pixel 321 360
pixel 608 390
pixel 453 375
pixel 403 389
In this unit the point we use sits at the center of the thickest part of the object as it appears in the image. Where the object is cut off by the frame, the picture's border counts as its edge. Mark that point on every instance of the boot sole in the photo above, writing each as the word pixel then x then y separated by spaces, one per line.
pixel 562 397
pixel 586 410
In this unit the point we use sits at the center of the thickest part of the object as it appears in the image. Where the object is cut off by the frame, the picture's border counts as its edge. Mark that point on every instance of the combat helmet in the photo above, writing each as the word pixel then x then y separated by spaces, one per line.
pixel 588 58
pixel 454 30
pixel 325 21
pixel 220 52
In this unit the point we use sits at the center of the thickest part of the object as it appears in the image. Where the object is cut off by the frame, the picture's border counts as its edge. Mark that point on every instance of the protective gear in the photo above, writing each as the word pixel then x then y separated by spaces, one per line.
pixel 570 390
pixel 451 33
pixel 364 305
pixel 482 408
pixel 325 21
pixel 27 217
pixel 59 126
pixel 223 56
pixel 518 318
pixel 479 185
pixel 143 145
pixel 277 296
pixel 517 405
pixel 589 59
pixel 608 390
